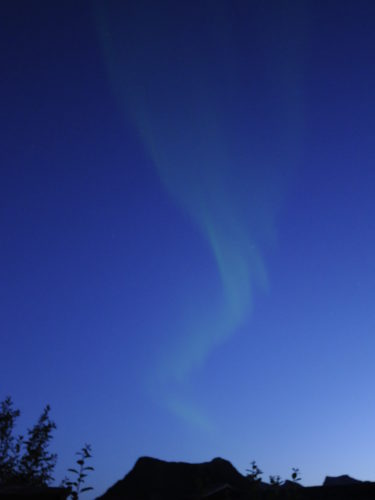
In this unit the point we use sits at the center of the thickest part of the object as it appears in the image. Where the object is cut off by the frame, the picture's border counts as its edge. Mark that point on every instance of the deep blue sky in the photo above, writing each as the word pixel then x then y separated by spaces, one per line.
pixel 187 231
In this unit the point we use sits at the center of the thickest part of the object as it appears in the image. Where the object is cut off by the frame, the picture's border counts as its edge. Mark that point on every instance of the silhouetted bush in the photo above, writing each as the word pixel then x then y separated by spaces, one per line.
pixel 27 462
pixel 80 474
pixel 254 474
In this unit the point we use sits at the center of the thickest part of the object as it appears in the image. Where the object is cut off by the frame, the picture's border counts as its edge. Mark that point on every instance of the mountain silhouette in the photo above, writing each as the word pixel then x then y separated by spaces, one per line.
pixel 153 479
pixel 343 480
pixel 157 479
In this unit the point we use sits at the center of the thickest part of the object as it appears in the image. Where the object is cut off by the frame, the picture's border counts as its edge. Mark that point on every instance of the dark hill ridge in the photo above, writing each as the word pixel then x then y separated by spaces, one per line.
pixel 153 479
pixel 344 480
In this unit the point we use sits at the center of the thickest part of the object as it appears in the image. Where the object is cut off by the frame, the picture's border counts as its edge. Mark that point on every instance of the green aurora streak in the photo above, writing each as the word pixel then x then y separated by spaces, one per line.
pixel 184 96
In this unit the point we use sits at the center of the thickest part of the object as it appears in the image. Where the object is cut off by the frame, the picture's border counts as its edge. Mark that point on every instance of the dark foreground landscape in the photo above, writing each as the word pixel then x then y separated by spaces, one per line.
pixel 153 479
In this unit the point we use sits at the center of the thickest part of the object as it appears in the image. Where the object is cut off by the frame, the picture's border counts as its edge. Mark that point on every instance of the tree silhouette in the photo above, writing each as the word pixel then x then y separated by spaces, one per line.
pixel 25 461
pixel 36 465
pixel 9 445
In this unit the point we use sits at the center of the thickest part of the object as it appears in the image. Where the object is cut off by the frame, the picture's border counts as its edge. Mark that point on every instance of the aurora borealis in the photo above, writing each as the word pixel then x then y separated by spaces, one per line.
pixel 187 206
pixel 180 79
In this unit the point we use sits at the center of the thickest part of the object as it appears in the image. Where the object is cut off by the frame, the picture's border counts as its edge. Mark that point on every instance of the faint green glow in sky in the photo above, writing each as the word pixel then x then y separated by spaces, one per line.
pixel 181 87
pixel 189 412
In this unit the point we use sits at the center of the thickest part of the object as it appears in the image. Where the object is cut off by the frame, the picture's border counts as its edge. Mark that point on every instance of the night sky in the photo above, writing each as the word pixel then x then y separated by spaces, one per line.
pixel 188 231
